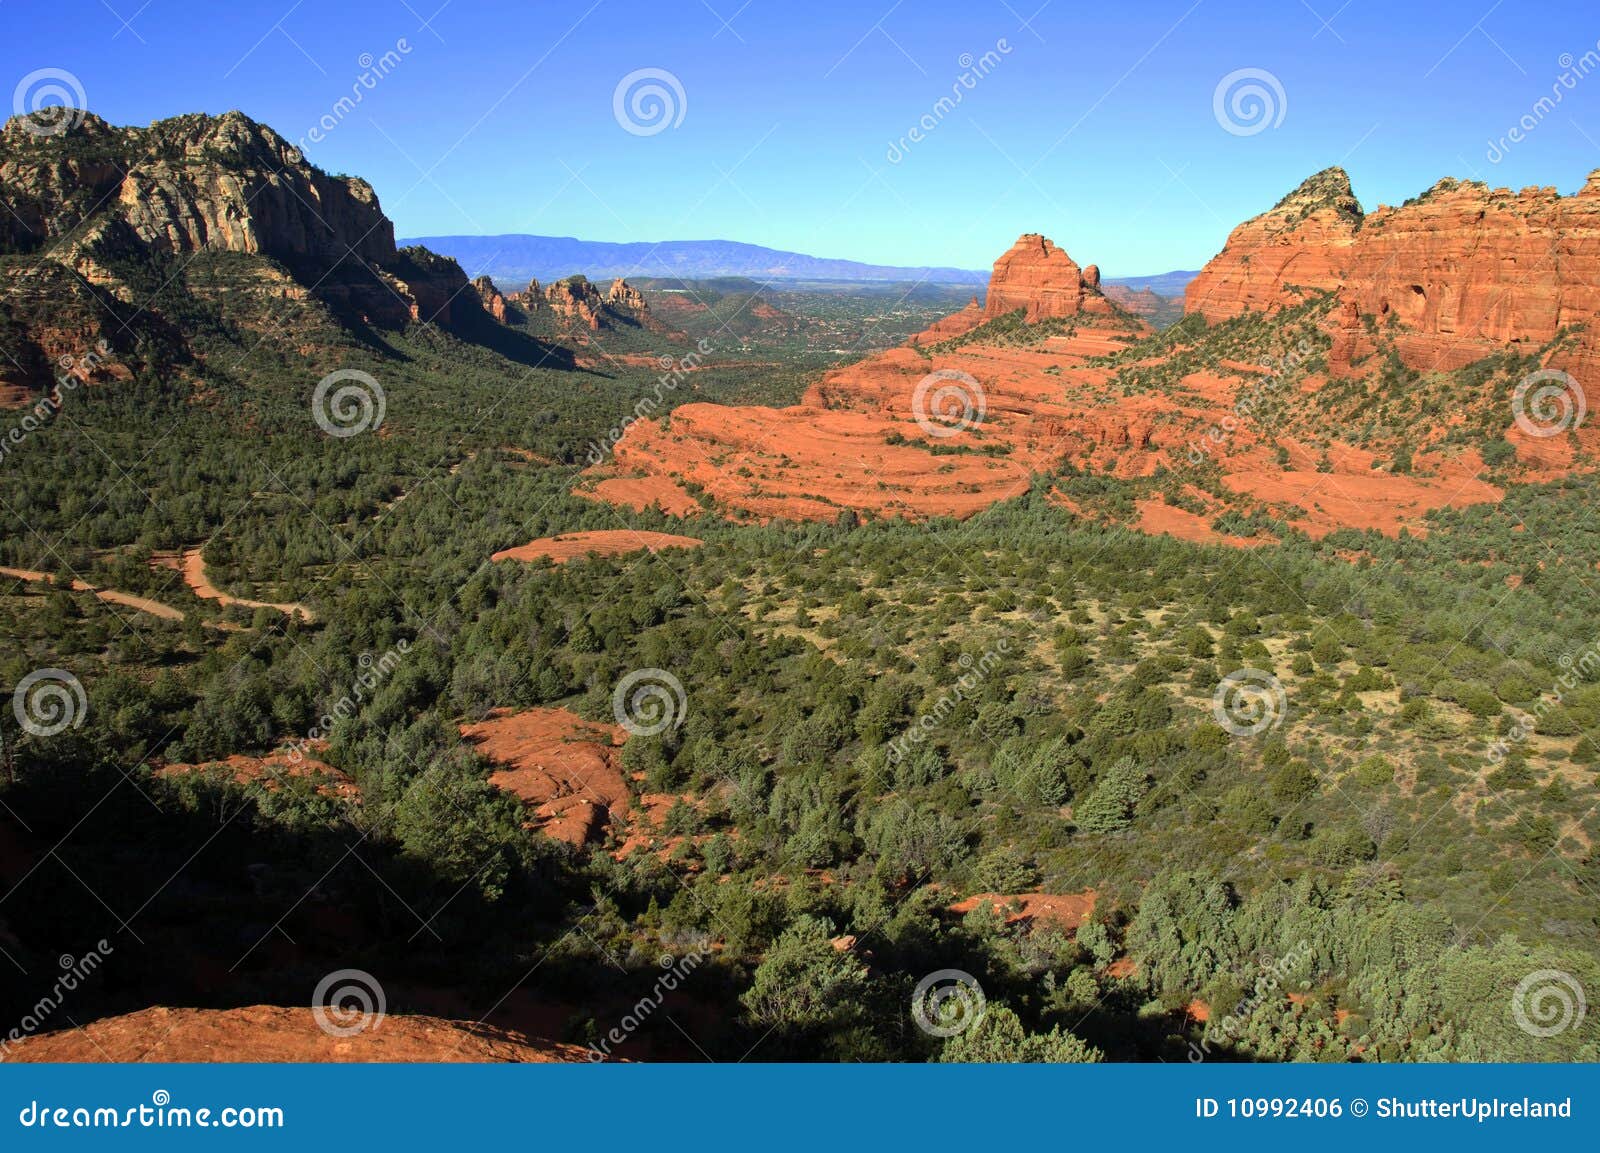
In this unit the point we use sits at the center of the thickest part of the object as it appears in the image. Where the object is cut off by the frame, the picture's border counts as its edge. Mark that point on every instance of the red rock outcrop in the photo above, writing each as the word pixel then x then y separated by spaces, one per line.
pixel 1460 271
pixel 1036 276
pixel 567 770
pixel 1303 241
pixel 494 302
pixel 624 295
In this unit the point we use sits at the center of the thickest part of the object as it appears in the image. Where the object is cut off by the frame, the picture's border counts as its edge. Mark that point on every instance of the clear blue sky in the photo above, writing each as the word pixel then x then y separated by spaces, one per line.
pixel 1097 128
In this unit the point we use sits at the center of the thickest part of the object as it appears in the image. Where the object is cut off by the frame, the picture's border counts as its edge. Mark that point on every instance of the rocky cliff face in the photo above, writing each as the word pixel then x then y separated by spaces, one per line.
pixel 576 304
pixel 224 184
pixel 1455 274
pixel 1302 242
pixel 494 302
pixel 1036 276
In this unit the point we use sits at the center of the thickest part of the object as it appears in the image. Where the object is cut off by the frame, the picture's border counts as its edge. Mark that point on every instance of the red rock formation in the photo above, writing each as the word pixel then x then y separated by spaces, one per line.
pixel 624 295
pixel 280 1033
pixel 1036 276
pixel 576 302
pixel 493 301
pixel 1304 241
pixel 1460 271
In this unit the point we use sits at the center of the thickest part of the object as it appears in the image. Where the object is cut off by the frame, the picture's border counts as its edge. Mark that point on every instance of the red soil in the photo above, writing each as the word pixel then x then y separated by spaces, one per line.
pixel 1068 910
pixel 567 769
pixel 276 1033
pixel 602 542
pixel 1156 518
pixel 330 782
pixel 1354 495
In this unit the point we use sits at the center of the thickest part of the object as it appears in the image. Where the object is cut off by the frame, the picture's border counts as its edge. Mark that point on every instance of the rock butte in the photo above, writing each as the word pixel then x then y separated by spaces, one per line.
pixel 1036 276
pixel 275 1033
pixel 597 542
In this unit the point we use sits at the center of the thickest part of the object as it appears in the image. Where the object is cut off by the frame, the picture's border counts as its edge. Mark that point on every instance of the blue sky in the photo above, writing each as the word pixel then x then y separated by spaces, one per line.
pixel 1095 124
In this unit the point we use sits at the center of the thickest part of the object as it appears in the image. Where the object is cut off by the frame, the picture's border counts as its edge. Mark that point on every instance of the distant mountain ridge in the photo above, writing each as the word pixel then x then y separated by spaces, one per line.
pixel 515 258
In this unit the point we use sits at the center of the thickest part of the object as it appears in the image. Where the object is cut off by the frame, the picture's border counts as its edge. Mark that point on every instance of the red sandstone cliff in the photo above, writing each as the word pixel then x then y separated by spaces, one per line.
pixel 1460 271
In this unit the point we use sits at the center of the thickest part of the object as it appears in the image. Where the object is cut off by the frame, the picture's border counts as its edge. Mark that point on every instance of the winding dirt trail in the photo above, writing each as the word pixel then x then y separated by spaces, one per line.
pixel 127 600
pixel 194 575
